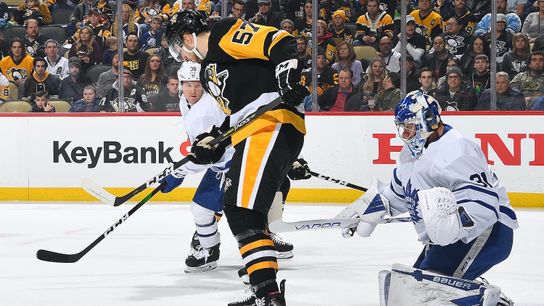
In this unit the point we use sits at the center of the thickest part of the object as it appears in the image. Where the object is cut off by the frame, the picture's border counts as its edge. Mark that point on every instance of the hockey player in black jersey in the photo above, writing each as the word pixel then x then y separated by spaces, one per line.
pixel 246 66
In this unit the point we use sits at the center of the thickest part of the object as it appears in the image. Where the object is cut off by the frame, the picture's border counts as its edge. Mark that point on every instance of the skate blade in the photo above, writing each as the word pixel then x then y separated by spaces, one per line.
pixel 207 267
pixel 285 255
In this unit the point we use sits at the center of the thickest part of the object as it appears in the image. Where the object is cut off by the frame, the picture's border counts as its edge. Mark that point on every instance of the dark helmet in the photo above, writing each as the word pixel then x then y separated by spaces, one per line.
pixel 187 21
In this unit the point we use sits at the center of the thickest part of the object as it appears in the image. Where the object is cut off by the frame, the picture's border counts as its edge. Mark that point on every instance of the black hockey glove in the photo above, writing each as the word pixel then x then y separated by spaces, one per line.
pixel 288 75
pixel 299 170
pixel 202 152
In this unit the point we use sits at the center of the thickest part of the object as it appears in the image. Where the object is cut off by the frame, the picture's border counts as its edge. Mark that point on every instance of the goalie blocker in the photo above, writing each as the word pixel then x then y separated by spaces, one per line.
pixel 404 285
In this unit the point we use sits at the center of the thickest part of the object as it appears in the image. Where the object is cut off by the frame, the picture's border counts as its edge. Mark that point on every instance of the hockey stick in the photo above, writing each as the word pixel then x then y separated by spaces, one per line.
pixel 51 256
pixel 277 225
pixel 337 181
pixel 103 195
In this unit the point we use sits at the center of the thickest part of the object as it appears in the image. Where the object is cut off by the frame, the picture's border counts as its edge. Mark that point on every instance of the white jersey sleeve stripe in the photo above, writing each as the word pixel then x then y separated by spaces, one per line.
pixel 507 211
pixel 482 203
pixel 395 192
pixel 396 178
pixel 479 189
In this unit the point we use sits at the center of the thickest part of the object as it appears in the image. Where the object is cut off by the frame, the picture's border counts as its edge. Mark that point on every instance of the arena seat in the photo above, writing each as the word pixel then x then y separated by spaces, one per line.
pixel 94 72
pixel 365 52
pixel 16 31
pixel 61 106
pixel 15 107
pixel 13 91
pixel 55 32
pixel 62 15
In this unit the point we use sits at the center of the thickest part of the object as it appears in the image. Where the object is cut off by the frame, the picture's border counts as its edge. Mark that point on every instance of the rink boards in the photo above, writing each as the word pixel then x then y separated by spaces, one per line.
pixel 44 158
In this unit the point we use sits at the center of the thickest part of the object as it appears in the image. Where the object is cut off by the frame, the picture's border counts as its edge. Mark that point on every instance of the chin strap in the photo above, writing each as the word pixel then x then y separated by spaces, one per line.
pixel 194 51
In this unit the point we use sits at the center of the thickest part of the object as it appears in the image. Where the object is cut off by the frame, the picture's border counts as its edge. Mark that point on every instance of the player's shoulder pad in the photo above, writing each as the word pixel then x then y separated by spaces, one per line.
pixel 452 147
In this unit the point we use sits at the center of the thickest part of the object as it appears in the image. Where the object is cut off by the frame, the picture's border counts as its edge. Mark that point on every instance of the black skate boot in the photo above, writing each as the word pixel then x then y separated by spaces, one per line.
pixel 201 259
pixel 242 274
pixel 271 299
pixel 284 250
pixel 195 242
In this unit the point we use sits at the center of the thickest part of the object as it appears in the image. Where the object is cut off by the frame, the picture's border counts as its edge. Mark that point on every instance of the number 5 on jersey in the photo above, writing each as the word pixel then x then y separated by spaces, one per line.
pixel 242 36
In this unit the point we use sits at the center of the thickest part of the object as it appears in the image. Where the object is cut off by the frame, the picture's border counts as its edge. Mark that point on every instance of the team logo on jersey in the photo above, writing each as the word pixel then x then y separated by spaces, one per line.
pixel 16 74
pixel 216 83
pixel 412 201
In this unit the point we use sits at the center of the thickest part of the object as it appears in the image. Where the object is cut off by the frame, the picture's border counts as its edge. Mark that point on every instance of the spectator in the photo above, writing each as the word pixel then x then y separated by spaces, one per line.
pixel 71 88
pixel 134 59
pixel 345 56
pixel 429 22
pixel 5 16
pixel 154 79
pixel 34 41
pixel 458 9
pixel 479 79
pixel 513 23
pixel 166 57
pixel 426 81
pixel 135 99
pixel 99 26
pixel 531 25
pixel 326 76
pixel 452 61
pixel 107 78
pixel 129 25
pixel 56 64
pixel 147 9
pixel 456 40
pixel 17 66
pixel 168 99
pixel 437 57
pixel 41 103
pixel 32 9
pixel 325 41
pixel 303 24
pixel 477 46
pixel 238 9
pixel 456 95
pixel 152 38
pixel 89 103
pixel 389 95
pixel 338 29
pixel 302 48
pixel 507 98
pixel 41 80
pixel 288 26
pixel 79 13
pixel 106 12
pixel 415 42
pixel 267 16
pixel 373 25
pixel 504 38
pixel 338 97
pixel 539 44
pixel 412 74
pixel 111 49
pixel 4 88
pixel 86 48
pixel 517 60
pixel 188 5
pixel 531 82
pixel 390 57
pixel 328 7
pixel 373 80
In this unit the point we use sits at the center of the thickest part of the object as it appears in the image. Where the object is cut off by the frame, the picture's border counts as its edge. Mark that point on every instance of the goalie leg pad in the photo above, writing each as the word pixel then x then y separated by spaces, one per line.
pixel 408 286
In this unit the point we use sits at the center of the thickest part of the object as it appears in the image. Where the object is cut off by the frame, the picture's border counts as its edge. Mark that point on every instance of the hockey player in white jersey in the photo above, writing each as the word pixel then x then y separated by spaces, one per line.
pixel 199 112
pixel 460 212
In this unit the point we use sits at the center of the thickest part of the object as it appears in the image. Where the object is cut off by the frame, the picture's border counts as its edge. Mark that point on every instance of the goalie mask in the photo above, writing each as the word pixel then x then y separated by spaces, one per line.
pixel 417 116
pixel 188 21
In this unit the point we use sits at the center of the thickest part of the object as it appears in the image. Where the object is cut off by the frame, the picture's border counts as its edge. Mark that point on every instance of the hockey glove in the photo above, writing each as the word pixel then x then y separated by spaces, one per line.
pixel 371 208
pixel 172 182
pixel 202 152
pixel 299 170
pixel 288 75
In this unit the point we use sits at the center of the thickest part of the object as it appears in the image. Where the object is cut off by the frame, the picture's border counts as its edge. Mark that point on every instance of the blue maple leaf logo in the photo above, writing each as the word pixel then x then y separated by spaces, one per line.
pixel 412 201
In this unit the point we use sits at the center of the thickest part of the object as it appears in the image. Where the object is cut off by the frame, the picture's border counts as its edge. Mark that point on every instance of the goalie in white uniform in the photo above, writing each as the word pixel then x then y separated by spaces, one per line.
pixel 200 112
pixel 459 210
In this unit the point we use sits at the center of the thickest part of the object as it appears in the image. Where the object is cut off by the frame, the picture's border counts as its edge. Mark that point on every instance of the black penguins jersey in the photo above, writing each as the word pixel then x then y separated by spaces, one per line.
pixel 240 63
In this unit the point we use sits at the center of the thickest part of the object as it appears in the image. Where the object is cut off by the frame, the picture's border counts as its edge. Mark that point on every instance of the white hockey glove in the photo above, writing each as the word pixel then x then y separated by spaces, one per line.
pixel 371 208
pixel 440 213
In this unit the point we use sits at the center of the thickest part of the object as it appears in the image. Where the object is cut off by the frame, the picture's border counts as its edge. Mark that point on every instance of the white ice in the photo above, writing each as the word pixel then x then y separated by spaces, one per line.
pixel 142 261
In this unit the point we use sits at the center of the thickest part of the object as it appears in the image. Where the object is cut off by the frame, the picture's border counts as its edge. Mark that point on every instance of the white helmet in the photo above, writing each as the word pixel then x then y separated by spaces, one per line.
pixel 189 71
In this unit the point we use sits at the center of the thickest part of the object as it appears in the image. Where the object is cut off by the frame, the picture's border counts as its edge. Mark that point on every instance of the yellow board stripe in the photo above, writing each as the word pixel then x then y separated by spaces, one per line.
pixel 256 244
pixel 254 159
pixel 263 265
pixel 299 195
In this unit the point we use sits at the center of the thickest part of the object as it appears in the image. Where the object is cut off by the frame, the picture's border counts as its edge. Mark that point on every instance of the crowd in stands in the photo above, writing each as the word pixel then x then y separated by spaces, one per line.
pixel 359 60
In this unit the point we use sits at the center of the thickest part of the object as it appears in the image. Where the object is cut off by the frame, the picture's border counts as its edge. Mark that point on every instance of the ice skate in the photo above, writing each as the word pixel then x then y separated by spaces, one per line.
pixel 284 250
pixel 202 259
pixel 271 299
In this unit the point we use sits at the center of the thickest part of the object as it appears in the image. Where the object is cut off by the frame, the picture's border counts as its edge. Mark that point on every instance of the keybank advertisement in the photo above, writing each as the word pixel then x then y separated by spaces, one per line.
pixel 126 151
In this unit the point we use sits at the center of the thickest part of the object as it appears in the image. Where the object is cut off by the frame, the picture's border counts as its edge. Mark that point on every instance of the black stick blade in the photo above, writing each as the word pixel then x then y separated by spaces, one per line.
pixel 51 256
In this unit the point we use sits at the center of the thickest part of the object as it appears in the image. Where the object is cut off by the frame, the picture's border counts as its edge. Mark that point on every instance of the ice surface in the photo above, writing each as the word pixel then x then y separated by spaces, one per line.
pixel 142 261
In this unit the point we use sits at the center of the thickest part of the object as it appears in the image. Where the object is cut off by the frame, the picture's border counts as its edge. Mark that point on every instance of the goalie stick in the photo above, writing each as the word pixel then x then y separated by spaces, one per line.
pixel 52 256
pixel 103 195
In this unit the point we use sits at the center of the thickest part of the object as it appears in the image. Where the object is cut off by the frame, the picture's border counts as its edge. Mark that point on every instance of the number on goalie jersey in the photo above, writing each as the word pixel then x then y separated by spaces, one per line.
pixel 437 155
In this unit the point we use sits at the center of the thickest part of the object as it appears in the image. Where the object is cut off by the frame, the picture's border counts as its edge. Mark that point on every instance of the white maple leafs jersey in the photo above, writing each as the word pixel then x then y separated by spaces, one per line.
pixel 199 119
pixel 457 163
